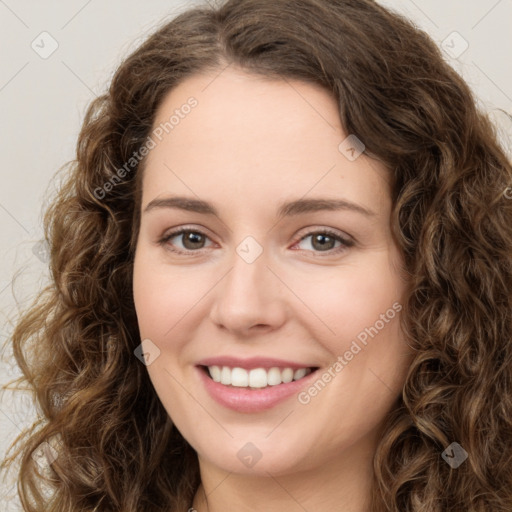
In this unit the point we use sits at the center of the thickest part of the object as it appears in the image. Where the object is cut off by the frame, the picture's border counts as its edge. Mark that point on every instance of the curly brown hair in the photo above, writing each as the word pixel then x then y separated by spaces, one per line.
pixel 117 447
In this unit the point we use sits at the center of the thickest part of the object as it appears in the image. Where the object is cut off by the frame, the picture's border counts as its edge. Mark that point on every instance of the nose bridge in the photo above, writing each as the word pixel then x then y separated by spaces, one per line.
pixel 247 279
pixel 248 294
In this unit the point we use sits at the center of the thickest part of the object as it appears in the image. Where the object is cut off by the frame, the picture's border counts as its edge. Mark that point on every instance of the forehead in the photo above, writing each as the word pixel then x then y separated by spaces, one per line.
pixel 250 136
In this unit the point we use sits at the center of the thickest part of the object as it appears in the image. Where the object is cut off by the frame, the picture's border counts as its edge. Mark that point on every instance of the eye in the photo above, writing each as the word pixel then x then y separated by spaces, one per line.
pixel 324 240
pixel 192 242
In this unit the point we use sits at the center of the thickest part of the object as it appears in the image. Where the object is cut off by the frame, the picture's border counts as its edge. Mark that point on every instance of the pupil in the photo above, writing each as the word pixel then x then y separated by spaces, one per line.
pixel 319 239
pixel 192 237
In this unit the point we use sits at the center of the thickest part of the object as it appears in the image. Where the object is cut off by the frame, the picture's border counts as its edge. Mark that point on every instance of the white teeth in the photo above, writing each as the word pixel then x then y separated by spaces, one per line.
pixel 215 373
pixel 274 377
pixel 255 378
pixel 299 374
pixel 239 377
pixel 225 375
pixel 287 375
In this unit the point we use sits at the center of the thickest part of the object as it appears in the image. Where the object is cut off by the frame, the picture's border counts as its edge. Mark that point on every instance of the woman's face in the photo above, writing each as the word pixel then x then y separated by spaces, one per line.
pixel 271 273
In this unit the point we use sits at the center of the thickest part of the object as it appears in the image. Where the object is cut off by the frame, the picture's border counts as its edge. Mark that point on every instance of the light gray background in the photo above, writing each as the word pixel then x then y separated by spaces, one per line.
pixel 43 100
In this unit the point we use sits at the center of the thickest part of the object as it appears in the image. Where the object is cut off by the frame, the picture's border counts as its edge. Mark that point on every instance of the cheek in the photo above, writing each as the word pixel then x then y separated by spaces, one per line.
pixel 375 356
pixel 162 295
pixel 163 300
pixel 147 296
pixel 352 302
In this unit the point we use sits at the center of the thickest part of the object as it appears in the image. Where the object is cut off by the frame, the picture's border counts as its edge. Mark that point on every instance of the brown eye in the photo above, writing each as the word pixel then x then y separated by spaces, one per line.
pixel 321 241
pixel 192 240
pixel 324 241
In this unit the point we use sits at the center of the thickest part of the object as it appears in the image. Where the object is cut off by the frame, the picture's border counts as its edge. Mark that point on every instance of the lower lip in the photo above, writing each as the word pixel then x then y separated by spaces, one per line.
pixel 252 400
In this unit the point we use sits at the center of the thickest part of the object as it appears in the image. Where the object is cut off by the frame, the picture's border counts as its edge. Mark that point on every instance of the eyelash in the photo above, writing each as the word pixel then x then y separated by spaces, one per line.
pixel 345 243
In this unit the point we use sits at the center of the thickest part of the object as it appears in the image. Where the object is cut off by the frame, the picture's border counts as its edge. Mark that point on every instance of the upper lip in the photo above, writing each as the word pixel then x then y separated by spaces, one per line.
pixel 252 362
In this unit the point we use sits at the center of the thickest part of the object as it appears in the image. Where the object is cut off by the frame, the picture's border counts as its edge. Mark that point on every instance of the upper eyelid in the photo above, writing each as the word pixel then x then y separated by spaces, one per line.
pixel 180 229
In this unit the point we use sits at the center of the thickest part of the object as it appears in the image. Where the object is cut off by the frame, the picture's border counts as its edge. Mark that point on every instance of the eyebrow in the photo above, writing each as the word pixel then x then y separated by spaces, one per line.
pixel 288 209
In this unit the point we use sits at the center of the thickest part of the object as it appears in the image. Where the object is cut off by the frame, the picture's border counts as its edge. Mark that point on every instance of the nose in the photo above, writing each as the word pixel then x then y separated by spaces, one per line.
pixel 250 298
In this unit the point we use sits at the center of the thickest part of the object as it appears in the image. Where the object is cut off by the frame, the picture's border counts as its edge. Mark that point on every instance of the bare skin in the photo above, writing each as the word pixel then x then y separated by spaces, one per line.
pixel 249 145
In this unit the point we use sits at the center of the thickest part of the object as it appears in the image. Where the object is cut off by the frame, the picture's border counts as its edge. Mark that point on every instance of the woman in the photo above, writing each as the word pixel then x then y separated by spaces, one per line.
pixel 204 347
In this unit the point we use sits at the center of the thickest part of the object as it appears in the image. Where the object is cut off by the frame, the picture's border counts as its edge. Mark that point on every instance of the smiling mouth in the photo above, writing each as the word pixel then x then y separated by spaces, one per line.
pixel 256 378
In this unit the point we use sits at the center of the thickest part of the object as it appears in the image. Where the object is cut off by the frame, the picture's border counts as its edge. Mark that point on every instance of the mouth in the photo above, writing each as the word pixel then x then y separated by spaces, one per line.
pixel 255 378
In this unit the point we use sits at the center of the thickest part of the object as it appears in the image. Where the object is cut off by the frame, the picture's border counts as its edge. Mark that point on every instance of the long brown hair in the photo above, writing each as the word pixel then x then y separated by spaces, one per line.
pixel 117 448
